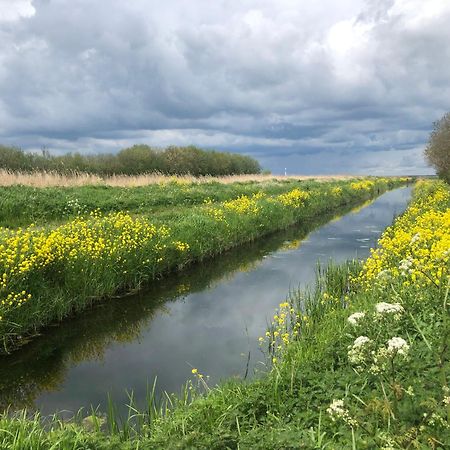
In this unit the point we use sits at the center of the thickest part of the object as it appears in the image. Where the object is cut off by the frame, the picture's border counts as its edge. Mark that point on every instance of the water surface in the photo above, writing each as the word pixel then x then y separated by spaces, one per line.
pixel 208 317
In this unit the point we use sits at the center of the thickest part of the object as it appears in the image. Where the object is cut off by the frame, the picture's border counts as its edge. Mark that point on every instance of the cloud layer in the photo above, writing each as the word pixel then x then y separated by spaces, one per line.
pixel 317 87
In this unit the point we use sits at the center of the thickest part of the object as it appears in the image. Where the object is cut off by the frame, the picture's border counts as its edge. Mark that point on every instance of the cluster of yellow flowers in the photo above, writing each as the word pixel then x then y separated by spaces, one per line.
pixel 250 205
pixel 96 239
pixel 286 325
pixel 365 185
pixel 294 198
pixel 181 246
pixel 243 204
pixel 14 300
pixel 417 247
pixel 337 191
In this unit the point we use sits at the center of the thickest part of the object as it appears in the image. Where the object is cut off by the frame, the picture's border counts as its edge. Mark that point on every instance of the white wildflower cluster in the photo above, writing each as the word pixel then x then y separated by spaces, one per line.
pixel 337 411
pixel 415 238
pixel 384 275
pixel 410 391
pixel 446 400
pixel 380 359
pixel 356 317
pixel 361 353
pixel 385 309
pixel 364 353
pixel 406 266
pixel 397 346
pixel 436 419
pixel 358 352
pixel 74 206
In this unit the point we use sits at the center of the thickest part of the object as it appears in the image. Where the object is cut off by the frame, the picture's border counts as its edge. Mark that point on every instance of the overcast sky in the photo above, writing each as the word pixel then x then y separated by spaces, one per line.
pixel 326 86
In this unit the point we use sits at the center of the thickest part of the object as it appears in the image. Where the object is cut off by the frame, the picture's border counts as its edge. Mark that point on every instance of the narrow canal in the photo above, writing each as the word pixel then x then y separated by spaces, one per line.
pixel 208 317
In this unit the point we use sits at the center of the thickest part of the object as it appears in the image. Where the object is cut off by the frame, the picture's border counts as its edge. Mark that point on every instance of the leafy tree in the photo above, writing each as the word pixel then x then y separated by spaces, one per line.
pixel 134 160
pixel 437 151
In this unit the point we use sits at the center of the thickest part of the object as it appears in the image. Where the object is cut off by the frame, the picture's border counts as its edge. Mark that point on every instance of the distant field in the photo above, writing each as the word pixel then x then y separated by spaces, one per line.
pixel 49 179
pixel 22 205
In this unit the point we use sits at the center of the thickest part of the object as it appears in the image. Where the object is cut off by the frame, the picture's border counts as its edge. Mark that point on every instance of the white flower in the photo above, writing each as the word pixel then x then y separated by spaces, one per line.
pixel 415 238
pixel 389 308
pixel 405 265
pixel 357 352
pixel 410 391
pixel 355 317
pixel 397 345
pixel 384 275
pixel 360 341
pixel 337 411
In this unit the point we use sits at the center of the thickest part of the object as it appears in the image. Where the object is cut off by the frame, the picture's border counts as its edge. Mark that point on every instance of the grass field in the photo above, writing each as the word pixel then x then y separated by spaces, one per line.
pixel 361 361
pixel 22 205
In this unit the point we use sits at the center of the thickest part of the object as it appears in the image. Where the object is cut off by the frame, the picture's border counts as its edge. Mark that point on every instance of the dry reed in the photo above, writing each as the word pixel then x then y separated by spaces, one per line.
pixel 48 179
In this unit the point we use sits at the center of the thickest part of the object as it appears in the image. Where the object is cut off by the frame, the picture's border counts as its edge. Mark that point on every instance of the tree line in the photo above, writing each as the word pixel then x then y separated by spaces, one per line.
pixel 134 160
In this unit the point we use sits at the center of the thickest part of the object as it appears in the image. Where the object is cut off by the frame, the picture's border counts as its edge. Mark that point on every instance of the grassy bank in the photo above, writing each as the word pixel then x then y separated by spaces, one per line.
pixel 22 205
pixel 363 362
pixel 360 362
pixel 46 274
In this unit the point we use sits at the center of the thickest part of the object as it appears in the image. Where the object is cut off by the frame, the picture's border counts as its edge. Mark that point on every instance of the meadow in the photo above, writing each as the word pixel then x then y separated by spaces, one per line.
pixel 45 203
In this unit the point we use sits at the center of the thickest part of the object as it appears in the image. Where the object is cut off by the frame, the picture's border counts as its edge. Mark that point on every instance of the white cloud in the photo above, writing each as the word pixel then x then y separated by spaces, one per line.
pixel 12 10
pixel 275 78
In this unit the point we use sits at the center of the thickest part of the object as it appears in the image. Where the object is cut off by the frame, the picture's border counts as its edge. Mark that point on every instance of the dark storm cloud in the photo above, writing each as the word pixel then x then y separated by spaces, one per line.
pixel 316 86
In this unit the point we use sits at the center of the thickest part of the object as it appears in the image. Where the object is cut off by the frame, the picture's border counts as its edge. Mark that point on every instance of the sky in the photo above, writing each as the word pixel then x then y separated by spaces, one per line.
pixel 316 87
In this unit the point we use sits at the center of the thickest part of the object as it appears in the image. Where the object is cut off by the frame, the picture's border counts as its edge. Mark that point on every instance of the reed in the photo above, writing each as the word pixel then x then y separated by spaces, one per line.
pixel 48 179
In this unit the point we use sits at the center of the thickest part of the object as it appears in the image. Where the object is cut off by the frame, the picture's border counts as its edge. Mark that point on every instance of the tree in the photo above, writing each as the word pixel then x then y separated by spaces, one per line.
pixel 437 151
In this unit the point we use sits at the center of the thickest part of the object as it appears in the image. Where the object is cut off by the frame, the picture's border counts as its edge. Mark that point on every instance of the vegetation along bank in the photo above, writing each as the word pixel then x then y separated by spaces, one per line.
pixel 47 273
pixel 23 205
pixel 360 362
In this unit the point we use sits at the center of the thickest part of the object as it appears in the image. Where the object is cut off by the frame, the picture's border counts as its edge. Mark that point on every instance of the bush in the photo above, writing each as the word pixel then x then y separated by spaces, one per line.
pixel 134 160
pixel 437 151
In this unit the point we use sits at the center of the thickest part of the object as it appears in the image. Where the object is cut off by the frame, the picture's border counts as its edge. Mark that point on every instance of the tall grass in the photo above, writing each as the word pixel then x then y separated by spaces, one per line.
pixel 46 178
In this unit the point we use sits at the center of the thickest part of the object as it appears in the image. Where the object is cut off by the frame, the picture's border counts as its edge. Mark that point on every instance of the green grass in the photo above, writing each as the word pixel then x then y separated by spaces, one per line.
pixel 286 409
pixel 404 405
pixel 23 205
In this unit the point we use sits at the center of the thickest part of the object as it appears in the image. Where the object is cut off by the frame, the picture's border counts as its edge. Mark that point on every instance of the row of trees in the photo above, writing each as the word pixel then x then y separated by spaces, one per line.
pixel 133 161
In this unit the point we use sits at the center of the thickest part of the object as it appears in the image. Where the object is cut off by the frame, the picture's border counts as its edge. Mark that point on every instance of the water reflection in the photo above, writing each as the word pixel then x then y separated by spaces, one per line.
pixel 208 317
